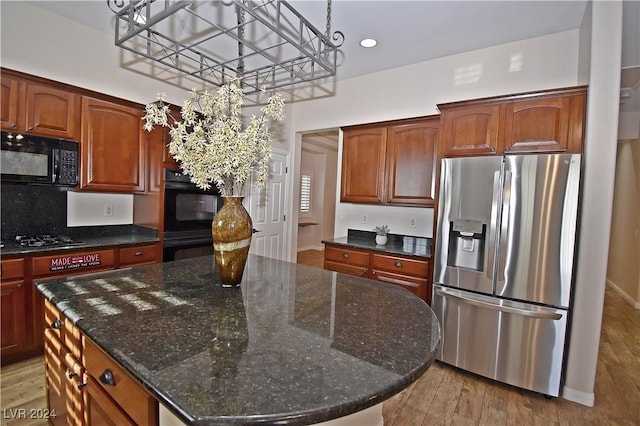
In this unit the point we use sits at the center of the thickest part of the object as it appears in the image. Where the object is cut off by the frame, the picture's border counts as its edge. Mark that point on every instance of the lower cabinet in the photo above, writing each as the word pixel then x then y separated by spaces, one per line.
pixel 84 385
pixel 21 326
pixel 406 271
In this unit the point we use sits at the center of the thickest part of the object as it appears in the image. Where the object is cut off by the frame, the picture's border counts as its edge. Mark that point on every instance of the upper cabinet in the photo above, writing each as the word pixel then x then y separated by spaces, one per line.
pixel 411 162
pixel 546 121
pixel 39 109
pixel 363 163
pixel 113 145
pixel 390 163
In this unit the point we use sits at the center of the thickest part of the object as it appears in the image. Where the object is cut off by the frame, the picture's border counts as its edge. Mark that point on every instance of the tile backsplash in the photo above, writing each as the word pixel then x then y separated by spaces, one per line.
pixel 32 209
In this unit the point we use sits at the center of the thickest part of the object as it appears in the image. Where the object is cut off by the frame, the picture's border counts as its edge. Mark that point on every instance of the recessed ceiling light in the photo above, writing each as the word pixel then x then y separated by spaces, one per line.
pixel 368 42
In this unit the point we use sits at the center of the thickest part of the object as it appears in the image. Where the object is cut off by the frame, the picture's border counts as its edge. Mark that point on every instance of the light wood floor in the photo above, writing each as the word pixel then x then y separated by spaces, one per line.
pixel 447 396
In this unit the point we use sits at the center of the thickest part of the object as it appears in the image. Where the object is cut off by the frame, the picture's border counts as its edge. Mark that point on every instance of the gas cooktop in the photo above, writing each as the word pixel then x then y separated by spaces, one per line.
pixel 46 240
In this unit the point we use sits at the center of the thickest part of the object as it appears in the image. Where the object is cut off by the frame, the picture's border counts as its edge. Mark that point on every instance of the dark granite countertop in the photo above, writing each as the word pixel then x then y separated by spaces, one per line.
pixel 89 238
pixel 292 345
pixel 405 245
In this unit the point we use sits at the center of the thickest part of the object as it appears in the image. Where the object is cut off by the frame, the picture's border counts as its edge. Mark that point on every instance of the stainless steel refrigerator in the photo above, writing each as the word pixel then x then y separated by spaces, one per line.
pixel 503 265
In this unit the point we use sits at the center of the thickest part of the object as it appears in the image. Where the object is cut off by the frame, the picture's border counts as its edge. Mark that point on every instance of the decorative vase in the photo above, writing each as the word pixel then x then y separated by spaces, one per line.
pixel 231 230
pixel 381 240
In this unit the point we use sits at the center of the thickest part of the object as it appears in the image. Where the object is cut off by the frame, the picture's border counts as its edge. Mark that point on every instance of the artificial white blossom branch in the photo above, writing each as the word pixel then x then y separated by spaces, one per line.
pixel 209 142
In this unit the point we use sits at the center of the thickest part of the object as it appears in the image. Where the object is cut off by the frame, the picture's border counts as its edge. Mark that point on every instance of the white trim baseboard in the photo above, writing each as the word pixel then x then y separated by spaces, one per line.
pixel 579 397
pixel 624 295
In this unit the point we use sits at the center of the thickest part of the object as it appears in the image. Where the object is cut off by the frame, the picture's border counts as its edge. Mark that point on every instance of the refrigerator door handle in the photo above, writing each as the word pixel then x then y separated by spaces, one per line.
pixel 504 226
pixel 495 202
pixel 508 309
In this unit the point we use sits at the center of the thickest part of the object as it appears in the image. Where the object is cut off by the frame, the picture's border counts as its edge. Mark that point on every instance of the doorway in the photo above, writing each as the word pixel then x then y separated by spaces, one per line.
pixel 317 184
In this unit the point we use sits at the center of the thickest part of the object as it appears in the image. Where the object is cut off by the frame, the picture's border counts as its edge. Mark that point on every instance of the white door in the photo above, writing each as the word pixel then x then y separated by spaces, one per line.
pixel 267 210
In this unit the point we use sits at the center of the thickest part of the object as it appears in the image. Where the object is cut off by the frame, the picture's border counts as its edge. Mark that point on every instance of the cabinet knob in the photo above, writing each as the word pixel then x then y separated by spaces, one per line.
pixel 139 253
pixel 20 285
pixel 56 324
pixel 398 264
pixel 30 127
pixel 106 378
pixel 12 125
pixel 82 384
pixel 345 255
pixel 71 374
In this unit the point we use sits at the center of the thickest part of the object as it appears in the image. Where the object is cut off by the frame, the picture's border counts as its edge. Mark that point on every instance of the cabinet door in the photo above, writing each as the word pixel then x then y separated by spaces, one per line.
pixel 51 112
pixel 9 101
pixel 411 163
pixel 14 322
pixel 100 409
pixel 113 146
pixel 471 130
pixel 363 164
pixel 544 125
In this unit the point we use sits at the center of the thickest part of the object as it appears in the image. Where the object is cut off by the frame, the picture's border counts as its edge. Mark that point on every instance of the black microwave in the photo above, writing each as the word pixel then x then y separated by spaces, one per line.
pixel 37 159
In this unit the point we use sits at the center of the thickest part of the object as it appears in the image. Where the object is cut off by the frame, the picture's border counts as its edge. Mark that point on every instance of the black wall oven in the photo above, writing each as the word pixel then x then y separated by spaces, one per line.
pixel 188 213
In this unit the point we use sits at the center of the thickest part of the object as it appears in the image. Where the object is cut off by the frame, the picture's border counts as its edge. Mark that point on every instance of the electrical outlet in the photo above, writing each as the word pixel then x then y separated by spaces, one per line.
pixel 365 218
pixel 108 210
pixel 412 222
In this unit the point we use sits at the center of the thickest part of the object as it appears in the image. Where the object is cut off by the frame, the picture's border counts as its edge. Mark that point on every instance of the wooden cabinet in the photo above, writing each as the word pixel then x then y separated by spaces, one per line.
pixel 545 121
pixel 363 164
pixel 84 385
pixel 13 298
pixel 348 261
pixel 390 163
pixel 24 315
pixel 408 272
pixel 124 390
pixel 39 109
pixel 113 147
pixel 411 162
pixel 140 255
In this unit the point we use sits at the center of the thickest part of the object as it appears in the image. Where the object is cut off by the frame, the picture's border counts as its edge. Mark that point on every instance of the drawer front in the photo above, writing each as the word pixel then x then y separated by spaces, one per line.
pixel 73 263
pixel 358 271
pixel 418 286
pixel 124 390
pixel 11 269
pixel 400 265
pixel 348 256
pixel 140 254
pixel 63 329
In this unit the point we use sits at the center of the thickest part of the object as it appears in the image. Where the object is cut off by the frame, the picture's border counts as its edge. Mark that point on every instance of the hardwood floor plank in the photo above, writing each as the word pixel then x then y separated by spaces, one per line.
pixel 519 409
pixel 494 405
pixel 471 397
pixel 444 403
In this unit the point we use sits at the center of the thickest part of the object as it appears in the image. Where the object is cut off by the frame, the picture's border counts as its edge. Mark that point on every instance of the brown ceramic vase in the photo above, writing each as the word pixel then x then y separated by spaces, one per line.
pixel 231 230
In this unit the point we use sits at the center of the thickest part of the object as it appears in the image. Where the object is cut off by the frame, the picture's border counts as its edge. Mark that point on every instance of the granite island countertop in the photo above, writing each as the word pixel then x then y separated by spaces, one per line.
pixel 292 345
pixel 405 245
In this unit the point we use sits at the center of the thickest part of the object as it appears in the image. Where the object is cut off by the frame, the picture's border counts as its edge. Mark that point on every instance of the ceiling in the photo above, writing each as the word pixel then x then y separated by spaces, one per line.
pixel 414 31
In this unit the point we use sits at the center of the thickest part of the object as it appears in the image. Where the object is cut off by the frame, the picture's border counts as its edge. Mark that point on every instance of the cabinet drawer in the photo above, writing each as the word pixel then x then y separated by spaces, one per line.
pixel 55 323
pixel 418 286
pixel 100 408
pixel 348 256
pixel 124 390
pixel 400 265
pixel 138 255
pixel 73 263
pixel 11 269
pixel 358 271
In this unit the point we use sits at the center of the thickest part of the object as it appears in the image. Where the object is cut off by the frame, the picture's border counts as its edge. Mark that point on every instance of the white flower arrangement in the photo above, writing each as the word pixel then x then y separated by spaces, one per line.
pixel 210 144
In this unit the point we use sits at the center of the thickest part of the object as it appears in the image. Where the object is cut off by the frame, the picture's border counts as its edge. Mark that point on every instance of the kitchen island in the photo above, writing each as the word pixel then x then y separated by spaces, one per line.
pixel 292 345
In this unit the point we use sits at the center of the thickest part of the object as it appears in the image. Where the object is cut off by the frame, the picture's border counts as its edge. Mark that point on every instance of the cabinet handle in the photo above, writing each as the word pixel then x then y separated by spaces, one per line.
pixel 139 253
pixel 398 264
pixel 345 255
pixel 82 384
pixel 30 127
pixel 56 324
pixel 71 374
pixel 107 378
pixel 12 124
